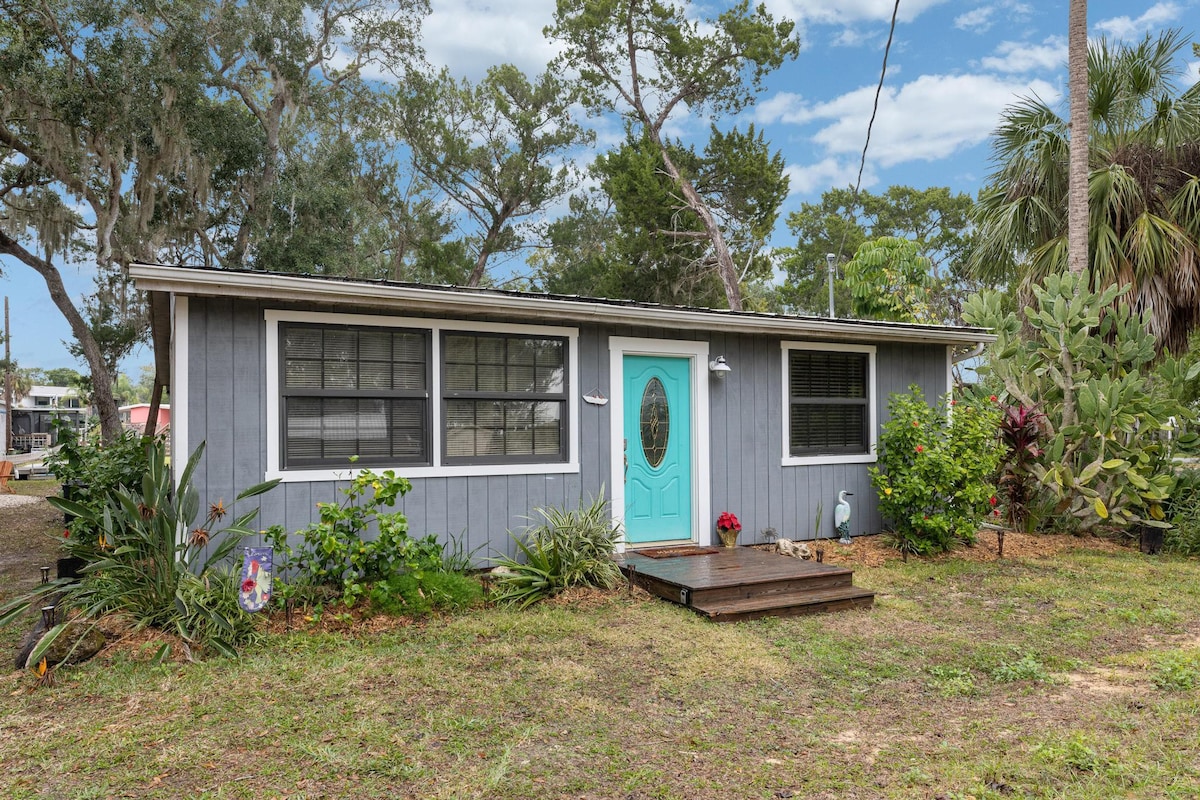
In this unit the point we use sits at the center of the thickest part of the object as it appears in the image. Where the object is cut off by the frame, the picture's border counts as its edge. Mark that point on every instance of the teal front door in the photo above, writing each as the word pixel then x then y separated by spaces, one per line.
pixel 658 449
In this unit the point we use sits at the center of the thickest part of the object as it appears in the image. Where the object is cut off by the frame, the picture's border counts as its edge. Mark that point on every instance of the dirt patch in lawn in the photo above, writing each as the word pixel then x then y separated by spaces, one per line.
pixel 28 525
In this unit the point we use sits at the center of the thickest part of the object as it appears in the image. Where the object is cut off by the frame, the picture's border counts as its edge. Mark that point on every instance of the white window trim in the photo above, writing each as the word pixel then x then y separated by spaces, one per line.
pixel 618 348
pixel 435 326
pixel 872 454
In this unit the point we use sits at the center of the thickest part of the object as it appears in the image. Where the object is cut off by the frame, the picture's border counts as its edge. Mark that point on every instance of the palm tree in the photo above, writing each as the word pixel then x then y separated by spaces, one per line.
pixel 1143 187
pixel 1077 177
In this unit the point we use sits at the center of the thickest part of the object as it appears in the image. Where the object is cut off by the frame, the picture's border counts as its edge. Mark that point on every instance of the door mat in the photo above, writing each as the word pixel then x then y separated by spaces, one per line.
pixel 676 552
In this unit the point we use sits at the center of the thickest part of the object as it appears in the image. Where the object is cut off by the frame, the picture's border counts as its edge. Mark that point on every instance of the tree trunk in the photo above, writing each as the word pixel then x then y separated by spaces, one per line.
pixel 726 270
pixel 1077 175
pixel 102 381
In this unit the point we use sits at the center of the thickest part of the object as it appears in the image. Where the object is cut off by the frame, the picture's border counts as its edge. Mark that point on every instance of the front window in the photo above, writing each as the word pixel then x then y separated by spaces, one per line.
pixel 429 397
pixel 505 398
pixel 354 392
pixel 829 414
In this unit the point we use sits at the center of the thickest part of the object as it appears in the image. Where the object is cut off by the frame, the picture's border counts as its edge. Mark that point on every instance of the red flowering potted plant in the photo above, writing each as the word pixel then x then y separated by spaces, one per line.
pixel 728 528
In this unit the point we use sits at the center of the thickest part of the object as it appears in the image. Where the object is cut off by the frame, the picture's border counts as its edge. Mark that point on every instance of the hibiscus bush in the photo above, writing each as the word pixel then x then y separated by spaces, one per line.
pixel 935 471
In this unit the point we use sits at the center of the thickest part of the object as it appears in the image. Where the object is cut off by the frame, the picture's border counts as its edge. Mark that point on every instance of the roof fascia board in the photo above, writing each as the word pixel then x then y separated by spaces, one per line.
pixel 267 286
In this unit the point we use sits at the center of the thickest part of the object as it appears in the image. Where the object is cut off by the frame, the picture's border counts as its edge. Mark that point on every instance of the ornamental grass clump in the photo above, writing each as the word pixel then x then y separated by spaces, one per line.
pixel 569 548
pixel 935 471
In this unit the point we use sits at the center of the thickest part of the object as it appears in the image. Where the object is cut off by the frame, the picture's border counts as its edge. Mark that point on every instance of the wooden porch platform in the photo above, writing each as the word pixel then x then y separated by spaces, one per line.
pixel 744 583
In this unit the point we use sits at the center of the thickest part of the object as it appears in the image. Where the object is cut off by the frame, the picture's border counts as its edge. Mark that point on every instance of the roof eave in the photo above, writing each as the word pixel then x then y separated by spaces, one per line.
pixel 270 286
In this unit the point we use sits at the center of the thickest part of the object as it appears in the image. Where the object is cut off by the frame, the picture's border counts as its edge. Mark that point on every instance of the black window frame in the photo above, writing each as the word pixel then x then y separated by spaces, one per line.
pixel 863 357
pixel 561 397
pixel 284 393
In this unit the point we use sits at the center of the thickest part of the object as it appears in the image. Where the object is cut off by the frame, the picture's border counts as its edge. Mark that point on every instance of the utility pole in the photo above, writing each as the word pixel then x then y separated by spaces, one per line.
pixel 7 381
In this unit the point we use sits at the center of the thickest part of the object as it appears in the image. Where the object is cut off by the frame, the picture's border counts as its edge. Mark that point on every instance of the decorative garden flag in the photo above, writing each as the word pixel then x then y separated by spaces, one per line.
pixel 256 578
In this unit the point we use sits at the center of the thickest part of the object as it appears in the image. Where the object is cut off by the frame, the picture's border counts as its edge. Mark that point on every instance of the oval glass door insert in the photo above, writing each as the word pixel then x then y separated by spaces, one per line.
pixel 655 422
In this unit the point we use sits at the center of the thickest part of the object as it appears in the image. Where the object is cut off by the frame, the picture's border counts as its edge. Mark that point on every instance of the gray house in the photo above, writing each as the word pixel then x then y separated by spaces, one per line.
pixel 496 402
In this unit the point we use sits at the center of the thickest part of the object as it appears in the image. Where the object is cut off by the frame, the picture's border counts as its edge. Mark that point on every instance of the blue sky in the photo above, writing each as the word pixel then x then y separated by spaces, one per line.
pixel 953 67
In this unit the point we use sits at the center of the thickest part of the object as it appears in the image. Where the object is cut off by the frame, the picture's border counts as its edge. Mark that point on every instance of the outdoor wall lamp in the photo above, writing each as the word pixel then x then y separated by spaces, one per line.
pixel 718 367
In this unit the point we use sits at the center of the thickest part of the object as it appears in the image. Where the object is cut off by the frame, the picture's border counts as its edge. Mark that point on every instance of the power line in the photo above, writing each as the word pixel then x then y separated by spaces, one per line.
pixel 870 124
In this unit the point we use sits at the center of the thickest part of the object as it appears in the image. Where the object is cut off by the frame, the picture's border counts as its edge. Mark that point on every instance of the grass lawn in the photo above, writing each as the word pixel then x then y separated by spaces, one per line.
pixel 1070 676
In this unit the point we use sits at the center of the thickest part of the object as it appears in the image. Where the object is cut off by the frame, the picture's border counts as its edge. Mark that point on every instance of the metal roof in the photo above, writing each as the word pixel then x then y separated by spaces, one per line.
pixel 458 300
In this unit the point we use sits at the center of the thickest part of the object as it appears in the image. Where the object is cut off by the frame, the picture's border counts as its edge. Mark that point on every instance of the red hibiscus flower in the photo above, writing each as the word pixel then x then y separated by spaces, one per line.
pixel 249 585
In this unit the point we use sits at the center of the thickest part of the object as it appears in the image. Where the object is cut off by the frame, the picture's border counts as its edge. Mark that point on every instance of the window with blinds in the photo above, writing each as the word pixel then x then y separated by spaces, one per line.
pixel 828 398
pixel 351 391
pixel 505 398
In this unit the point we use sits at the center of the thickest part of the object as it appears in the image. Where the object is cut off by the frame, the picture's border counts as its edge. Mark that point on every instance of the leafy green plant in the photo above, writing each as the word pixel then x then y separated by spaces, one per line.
pixel 1086 363
pixel 1026 668
pixel 90 472
pixel 154 564
pixel 1176 672
pixel 568 548
pixel 334 556
pixel 950 681
pixel 1183 538
pixel 934 475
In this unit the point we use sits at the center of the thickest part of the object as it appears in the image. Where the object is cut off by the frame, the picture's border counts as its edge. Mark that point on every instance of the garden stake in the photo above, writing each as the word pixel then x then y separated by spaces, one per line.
pixel 1000 543
pixel 48 617
pixel 632 576
pixel 45 574
pixel 288 605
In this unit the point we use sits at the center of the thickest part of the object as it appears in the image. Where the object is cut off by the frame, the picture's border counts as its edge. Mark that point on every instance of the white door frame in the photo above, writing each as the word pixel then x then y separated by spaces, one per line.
pixel 697 352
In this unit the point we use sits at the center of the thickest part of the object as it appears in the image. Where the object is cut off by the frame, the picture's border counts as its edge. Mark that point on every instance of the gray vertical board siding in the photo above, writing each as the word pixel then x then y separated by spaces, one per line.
pixel 761 436
pixel 226 407
pixel 217 395
pixel 431 492
pixel 720 410
pixel 197 406
pixel 458 518
pixel 593 440
pixel 480 529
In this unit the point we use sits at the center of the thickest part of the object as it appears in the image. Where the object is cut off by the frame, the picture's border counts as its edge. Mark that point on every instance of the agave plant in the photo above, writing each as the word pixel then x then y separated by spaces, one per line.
pixel 156 566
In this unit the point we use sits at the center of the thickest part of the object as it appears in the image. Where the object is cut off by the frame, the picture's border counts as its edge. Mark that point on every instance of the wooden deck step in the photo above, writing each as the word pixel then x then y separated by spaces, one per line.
pixel 746 583
pixel 787 605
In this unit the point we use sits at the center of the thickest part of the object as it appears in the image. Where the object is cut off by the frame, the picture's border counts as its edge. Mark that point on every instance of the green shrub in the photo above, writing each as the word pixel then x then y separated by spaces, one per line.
pixel 415 594
pixel 154 564
pixel 569 548
pixel 335 559
pixel 1088 364
pixel 935 470
pixel 90 472
pixel 1183 537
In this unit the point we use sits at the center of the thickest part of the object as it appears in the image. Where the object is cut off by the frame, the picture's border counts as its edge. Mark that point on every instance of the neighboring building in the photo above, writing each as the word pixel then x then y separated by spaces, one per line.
pixel 33 414
pixel 134 416
pixel 494 403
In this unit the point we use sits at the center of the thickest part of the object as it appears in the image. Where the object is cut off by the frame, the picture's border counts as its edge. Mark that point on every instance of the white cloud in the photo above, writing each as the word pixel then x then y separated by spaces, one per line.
pixel 828 173
pixel 1157 16
pixel 842 12
pixel 1022 57
pixel 470 36
pixel 924 120
pixel 1192 73
pixel 977 20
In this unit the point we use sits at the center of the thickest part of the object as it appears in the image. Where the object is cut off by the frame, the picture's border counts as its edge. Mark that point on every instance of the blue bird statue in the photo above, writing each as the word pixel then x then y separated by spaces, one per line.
pixel 841 517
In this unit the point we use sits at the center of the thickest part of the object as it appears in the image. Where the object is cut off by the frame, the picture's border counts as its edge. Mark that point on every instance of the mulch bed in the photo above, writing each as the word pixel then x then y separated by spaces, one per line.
pixel 874 551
